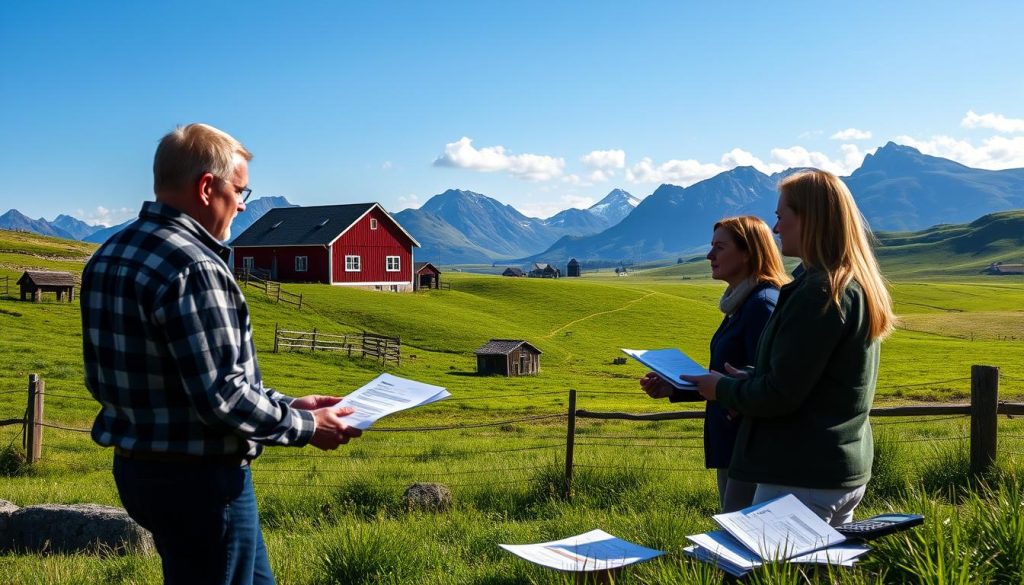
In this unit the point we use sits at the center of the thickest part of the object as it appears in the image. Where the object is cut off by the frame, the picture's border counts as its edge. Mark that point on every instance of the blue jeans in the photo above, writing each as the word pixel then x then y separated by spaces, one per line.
pixel 203 518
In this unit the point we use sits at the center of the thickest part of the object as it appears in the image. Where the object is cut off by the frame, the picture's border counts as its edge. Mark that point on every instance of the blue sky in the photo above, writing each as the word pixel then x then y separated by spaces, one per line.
pixel 542 105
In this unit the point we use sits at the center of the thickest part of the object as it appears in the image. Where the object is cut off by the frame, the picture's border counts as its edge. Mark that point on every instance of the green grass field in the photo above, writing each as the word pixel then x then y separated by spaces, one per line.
pixel 339 518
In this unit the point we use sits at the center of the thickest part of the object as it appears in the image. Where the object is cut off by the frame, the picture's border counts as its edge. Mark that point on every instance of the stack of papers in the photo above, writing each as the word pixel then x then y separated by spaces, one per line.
pixel 668 364
pixel 387 394
pixel 779 530
pixel 593 551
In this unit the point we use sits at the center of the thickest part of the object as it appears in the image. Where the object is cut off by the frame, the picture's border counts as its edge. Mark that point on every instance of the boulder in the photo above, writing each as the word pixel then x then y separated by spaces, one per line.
pixel 6 509
pixel 433 497
pixel 74 528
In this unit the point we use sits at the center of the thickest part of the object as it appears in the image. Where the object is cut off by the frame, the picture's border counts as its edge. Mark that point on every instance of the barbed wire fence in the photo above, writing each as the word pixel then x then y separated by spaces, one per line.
pixel 521 457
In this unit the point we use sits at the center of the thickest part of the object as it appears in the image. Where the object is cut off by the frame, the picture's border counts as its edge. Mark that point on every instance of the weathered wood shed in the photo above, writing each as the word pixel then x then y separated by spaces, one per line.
pixel 513 272
pixel 34 283
pixel 508 357
pixel 573 268
pixel 426 275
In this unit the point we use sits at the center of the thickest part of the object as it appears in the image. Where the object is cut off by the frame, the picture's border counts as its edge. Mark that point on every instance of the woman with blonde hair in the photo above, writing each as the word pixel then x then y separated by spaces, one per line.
pixel 805 404
pixel 744 255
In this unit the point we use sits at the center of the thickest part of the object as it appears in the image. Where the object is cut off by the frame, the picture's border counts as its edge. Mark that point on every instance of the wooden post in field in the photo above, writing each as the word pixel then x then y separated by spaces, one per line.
pixel 570 442
pixel 277 329
pixel 312 346
pixel 34 420
pixel 984 409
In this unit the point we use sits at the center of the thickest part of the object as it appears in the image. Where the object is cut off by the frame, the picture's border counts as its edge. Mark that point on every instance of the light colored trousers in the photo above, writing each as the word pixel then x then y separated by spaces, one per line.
pixel 833 506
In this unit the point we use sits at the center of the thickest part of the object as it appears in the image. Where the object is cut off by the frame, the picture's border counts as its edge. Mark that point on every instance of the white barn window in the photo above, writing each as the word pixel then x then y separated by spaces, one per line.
pixel 393 264
pixel 373 223
pixel 352 264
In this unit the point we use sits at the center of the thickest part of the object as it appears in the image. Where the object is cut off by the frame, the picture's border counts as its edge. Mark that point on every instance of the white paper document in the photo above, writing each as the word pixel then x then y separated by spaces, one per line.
pixel 593 551
pixel 783 529
pixel 387 394
pixel 668 364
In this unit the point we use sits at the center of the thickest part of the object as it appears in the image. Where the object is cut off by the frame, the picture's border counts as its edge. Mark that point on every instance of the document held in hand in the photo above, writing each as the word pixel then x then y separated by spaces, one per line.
pixel 593 551
pixel 387 394
pixel 782 529
pixel 668 364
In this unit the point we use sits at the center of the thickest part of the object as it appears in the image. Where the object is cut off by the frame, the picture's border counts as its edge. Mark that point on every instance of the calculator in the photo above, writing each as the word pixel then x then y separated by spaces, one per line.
pixel 871 528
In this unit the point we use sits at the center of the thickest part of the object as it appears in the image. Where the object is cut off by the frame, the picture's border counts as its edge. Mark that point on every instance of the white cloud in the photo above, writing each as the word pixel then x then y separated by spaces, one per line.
pixel 386 165
pixel 600 176
pixel 532 167
pixel 688 172
pixel 851 134
pixel 548 207
pixel 676 172
pixel 410 201
pixel 574 179
pixel 997 122
pixel 994 153
pixel 605 159
pixel 106 217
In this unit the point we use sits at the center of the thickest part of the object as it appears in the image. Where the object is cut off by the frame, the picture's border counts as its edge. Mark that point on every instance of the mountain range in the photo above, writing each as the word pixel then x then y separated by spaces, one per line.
pixel 897 188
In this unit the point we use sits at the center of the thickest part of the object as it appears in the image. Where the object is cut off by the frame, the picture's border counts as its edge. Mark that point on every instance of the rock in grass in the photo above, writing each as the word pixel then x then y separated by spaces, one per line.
pixel 6 509
pixel 76 528
pixel 433 497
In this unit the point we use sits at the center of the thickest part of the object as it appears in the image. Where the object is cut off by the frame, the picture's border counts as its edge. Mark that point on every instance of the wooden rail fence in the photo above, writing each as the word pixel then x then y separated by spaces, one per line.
pixel 269 287
pixel 379 347
pixel 5 286
pixel 983 409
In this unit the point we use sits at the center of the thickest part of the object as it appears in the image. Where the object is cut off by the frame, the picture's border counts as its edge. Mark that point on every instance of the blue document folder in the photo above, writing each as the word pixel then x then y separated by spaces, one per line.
pixel 668 364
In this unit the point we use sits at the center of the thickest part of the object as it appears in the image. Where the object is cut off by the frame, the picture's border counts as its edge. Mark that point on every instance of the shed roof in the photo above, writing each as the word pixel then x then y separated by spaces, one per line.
pixel 47 278
pixel 513 272
pixel 503 347
pixel 417 266
pixel 307 226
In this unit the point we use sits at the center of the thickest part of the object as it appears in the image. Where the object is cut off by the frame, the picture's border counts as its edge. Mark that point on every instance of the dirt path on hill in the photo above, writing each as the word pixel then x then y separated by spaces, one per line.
pixel 599 313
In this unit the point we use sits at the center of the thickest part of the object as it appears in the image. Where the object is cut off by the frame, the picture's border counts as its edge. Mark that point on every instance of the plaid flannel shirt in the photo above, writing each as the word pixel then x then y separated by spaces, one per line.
pixel 168 346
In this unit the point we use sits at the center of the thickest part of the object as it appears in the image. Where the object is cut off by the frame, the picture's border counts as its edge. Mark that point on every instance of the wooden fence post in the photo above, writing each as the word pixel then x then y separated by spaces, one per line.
pixel 312 346
pixel 984 409
pixel 570 443
pixel 276 333
pixel 34 420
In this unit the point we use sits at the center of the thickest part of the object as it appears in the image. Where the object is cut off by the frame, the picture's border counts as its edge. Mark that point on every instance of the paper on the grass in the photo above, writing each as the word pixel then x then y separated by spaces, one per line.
pixel 779 529
pixel 725 551
pixel 668 364
pixel 593 551
pixel 838 554
pixel 387 394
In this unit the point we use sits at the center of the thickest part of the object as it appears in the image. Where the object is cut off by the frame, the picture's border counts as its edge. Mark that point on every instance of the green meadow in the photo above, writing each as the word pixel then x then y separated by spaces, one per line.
pixel 499 443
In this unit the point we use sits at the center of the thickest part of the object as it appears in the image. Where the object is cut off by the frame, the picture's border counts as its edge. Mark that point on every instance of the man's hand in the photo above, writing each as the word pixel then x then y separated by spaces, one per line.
pixel 735 373
pixel 330 430
pixel 315 401
pixel 655 387
pixel 705 384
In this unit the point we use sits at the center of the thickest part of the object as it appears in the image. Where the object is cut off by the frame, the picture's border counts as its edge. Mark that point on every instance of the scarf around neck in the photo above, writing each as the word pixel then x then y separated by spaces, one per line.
pixel 734 296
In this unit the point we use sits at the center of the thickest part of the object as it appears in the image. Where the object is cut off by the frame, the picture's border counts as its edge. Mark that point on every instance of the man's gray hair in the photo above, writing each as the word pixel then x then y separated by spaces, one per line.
pixel 187 152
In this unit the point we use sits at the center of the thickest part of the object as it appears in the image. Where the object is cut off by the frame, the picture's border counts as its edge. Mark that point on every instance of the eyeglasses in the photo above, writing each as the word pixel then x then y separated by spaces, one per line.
pixel 242 193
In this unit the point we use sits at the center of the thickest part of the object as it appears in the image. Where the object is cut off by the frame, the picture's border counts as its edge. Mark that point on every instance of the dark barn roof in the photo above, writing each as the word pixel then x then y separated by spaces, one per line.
pixel 503 347
pixel 513 272
pixel 46 278
pixel 307 226
pixel 421 265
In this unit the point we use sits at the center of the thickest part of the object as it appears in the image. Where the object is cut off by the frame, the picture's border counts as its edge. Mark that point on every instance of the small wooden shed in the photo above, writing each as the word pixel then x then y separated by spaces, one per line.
pixel 34 283
pixel 573 268
pixel 513 272
pixel 508 357
pixel 543 270
pixel 426 275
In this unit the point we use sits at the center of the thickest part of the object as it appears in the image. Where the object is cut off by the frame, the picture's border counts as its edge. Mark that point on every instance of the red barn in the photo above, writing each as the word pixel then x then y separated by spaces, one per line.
pixel 349 245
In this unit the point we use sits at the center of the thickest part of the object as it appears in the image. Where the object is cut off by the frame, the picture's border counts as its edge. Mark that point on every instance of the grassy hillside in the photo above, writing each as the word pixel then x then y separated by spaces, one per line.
pixel 339 518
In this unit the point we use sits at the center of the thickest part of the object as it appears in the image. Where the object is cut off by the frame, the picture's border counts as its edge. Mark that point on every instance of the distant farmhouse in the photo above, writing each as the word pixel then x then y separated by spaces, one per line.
pixel 358 245
pixel 540 270
pixel 573 268
pixel 1004 268
pixel 513 272
pixel 507 357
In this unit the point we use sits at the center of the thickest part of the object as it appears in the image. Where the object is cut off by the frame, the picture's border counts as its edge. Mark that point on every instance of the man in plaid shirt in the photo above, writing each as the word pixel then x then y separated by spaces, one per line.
pixel 169 355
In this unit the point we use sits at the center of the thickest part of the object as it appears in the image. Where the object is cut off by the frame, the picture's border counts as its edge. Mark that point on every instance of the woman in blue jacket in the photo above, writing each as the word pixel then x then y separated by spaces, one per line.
pixel 744 255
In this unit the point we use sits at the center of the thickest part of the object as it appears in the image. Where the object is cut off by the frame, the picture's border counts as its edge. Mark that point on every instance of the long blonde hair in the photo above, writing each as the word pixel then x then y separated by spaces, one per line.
pixel 835 238
pixel 753 236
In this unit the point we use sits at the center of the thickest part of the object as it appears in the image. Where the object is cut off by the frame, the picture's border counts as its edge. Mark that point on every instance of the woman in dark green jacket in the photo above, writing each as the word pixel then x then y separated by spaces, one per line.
pixel 805 404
